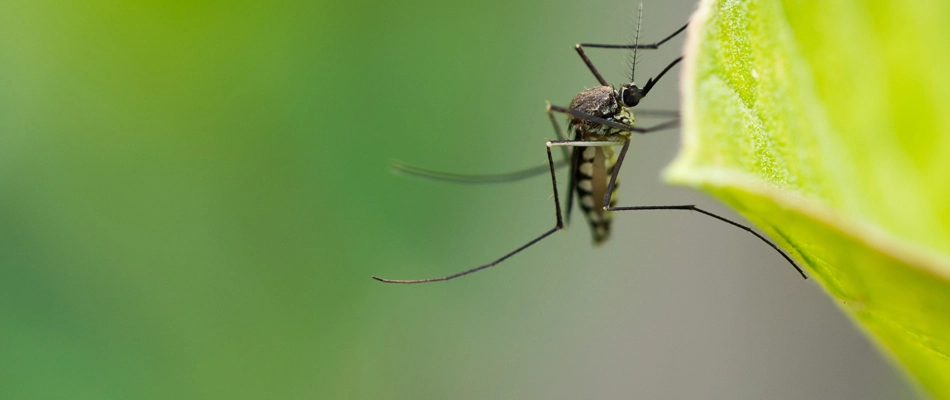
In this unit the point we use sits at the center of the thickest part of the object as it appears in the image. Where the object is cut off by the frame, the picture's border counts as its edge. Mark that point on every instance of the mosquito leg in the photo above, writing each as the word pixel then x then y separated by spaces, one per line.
pixel 560 132
pixel 473 179
pixel 723 219
pixel 613 174
pixel 610 189
pixel 568 157
pixel 612 124
pixel 585 143
pixel 558 226
pixel 623 154
pixel 580 51
pixel 636 46
pixel 590 65
pixel 659 127
pixel 591 118
pixel 646 112
pixel 476 179
pixel 652 81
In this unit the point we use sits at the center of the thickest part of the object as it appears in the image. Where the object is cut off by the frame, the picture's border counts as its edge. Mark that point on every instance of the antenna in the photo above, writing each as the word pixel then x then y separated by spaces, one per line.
pixel 636 42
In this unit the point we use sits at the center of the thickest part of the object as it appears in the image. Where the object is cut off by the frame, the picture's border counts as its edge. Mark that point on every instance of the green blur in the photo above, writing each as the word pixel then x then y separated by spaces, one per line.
pixel 194 194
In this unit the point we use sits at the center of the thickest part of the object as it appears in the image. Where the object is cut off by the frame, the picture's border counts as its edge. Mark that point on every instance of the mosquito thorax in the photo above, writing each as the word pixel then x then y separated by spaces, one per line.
pixel 603 102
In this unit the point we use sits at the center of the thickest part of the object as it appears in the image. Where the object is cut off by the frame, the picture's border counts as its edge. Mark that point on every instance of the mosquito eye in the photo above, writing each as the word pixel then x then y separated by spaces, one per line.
pixel 630 96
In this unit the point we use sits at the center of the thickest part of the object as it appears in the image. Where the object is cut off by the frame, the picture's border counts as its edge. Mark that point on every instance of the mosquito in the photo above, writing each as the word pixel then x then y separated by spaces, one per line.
pixel 599 119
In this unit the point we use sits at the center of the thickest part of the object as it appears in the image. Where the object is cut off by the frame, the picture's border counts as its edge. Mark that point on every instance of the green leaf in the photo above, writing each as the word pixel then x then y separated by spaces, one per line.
pixel 827 124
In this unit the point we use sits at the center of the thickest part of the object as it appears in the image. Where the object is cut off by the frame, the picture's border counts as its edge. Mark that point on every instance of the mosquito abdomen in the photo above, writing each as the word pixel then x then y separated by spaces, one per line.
pixel 592 173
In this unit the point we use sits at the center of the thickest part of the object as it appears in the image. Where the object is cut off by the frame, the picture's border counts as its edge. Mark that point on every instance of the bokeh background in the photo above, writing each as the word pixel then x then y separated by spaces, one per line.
pixel 194 194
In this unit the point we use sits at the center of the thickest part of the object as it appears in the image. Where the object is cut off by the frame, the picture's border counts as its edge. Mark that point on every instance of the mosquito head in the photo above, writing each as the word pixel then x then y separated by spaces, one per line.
pixel 630 95
pixel 602 102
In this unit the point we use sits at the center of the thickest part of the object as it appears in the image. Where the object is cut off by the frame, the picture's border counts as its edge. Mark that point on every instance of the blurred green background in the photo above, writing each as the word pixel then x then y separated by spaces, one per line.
pixel 194 194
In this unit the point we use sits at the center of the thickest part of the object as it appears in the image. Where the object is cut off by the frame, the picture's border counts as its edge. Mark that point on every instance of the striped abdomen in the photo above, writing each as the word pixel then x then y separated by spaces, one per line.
pixel 592 168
